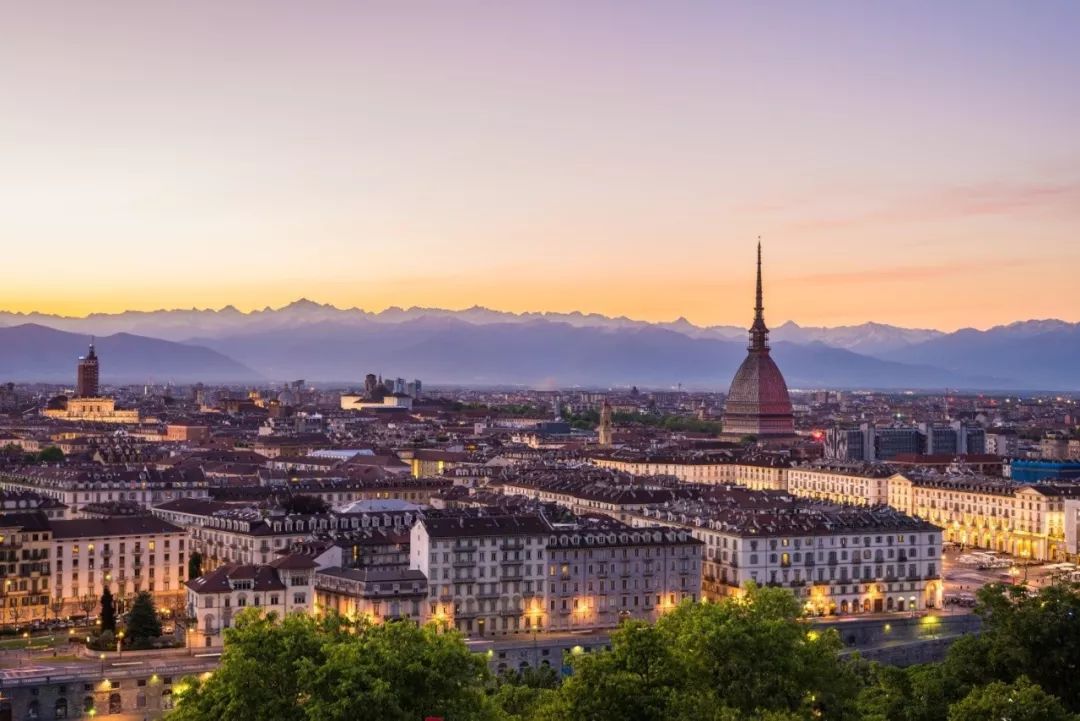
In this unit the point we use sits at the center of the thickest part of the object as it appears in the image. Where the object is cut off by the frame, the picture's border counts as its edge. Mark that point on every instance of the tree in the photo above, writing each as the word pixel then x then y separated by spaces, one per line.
pixel 56 605
pixel 143 623
pixel 304 504
pixel 730 660
pixel 17 612
pixel 520 692
pixel 331 670
pixel 88 603
pixel 1019 701
pixel 52 454
pixel 108 611
pixel 1037 636
pixel 194 566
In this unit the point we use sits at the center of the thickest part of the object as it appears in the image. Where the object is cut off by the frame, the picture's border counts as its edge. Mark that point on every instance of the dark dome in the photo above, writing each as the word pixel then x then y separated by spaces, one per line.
pixel 758 401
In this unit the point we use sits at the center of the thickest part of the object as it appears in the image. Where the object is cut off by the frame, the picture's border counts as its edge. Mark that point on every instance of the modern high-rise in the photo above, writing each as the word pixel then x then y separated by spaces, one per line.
pixel 86 379
pixel 757 402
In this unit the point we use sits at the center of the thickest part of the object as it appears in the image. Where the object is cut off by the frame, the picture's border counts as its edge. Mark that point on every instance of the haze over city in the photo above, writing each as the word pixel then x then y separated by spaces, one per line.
pixel 911 163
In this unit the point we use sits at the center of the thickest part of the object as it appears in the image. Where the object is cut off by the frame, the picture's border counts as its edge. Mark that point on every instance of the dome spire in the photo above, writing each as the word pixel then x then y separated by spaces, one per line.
pixel 759 332
pixel 759 310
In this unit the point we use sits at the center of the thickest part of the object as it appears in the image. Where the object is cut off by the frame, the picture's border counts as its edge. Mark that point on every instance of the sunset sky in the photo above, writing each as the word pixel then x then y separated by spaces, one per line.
pixel 916 163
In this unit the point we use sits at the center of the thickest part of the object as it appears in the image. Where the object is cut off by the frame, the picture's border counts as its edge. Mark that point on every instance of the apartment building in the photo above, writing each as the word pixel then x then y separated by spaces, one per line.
pixel 1026 520
pixel 25 568
pixel 837 560
pixel 236 533
pixel 128 554
pixel 375 594
pixel 690 468
pixel 584 494
pixel 758 472
pixel 483 572
pixel 75 486
pixel 605 571
pixel 284 586
pixel 861 484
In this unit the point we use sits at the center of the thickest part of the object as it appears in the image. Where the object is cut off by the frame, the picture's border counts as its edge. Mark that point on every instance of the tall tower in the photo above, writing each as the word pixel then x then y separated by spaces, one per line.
pixel 86 376
pixel 604 430
pixel 759 332
pixel 758 403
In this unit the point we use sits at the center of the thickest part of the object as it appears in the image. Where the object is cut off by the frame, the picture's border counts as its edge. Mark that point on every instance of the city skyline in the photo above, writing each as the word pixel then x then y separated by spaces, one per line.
pixel 912 165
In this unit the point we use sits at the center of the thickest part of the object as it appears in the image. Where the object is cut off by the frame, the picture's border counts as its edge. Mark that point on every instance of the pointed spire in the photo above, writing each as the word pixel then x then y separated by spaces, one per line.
pixel 759 332
pixel 759 309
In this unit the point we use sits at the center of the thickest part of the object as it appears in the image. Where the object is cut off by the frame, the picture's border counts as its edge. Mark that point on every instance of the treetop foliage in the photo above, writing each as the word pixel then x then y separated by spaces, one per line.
pixel 747 659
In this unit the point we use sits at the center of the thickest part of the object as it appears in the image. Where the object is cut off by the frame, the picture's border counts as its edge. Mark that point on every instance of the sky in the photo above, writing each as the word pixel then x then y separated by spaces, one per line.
pixel 915 163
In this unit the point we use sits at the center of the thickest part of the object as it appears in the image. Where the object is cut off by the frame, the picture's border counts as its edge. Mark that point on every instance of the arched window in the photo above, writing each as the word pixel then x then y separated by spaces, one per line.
pixel 33 710
pixel 115 703
pixel 88 704
pixel 60 710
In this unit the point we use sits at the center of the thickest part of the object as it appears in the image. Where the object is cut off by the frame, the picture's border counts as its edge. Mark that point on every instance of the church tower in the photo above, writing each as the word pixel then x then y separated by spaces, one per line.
pixel 604 430
pixel 86 376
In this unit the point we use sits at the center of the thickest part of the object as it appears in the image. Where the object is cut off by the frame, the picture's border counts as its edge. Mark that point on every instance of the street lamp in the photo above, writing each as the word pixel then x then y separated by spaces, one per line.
pixel 120 644
pixel 102 659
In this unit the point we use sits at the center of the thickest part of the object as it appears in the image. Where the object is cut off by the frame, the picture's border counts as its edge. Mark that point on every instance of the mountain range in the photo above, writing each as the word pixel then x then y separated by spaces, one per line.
pixel 483 346
pixel 32 352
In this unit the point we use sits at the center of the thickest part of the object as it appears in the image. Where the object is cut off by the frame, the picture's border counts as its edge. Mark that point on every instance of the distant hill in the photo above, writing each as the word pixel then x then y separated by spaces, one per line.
pixel 552 354
pixel 478 345
pixel 869 338
pixel 32 352
pixel 1044 353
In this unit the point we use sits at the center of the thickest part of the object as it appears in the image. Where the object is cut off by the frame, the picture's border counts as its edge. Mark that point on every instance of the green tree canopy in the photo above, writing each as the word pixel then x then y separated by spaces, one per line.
pixel 331 670
pixel 143 622
pixel 741 658
pixel 52 454
pixel 1033 635
pixel 1018 701
pixel 108 611
pixel 1028 644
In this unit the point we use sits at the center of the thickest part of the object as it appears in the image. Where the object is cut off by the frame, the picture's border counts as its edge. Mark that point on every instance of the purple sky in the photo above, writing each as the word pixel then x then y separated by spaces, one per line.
pixel 907 162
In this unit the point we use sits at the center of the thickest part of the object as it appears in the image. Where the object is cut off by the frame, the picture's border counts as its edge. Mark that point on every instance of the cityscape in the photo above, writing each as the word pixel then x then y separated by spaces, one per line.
pixel 720 476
